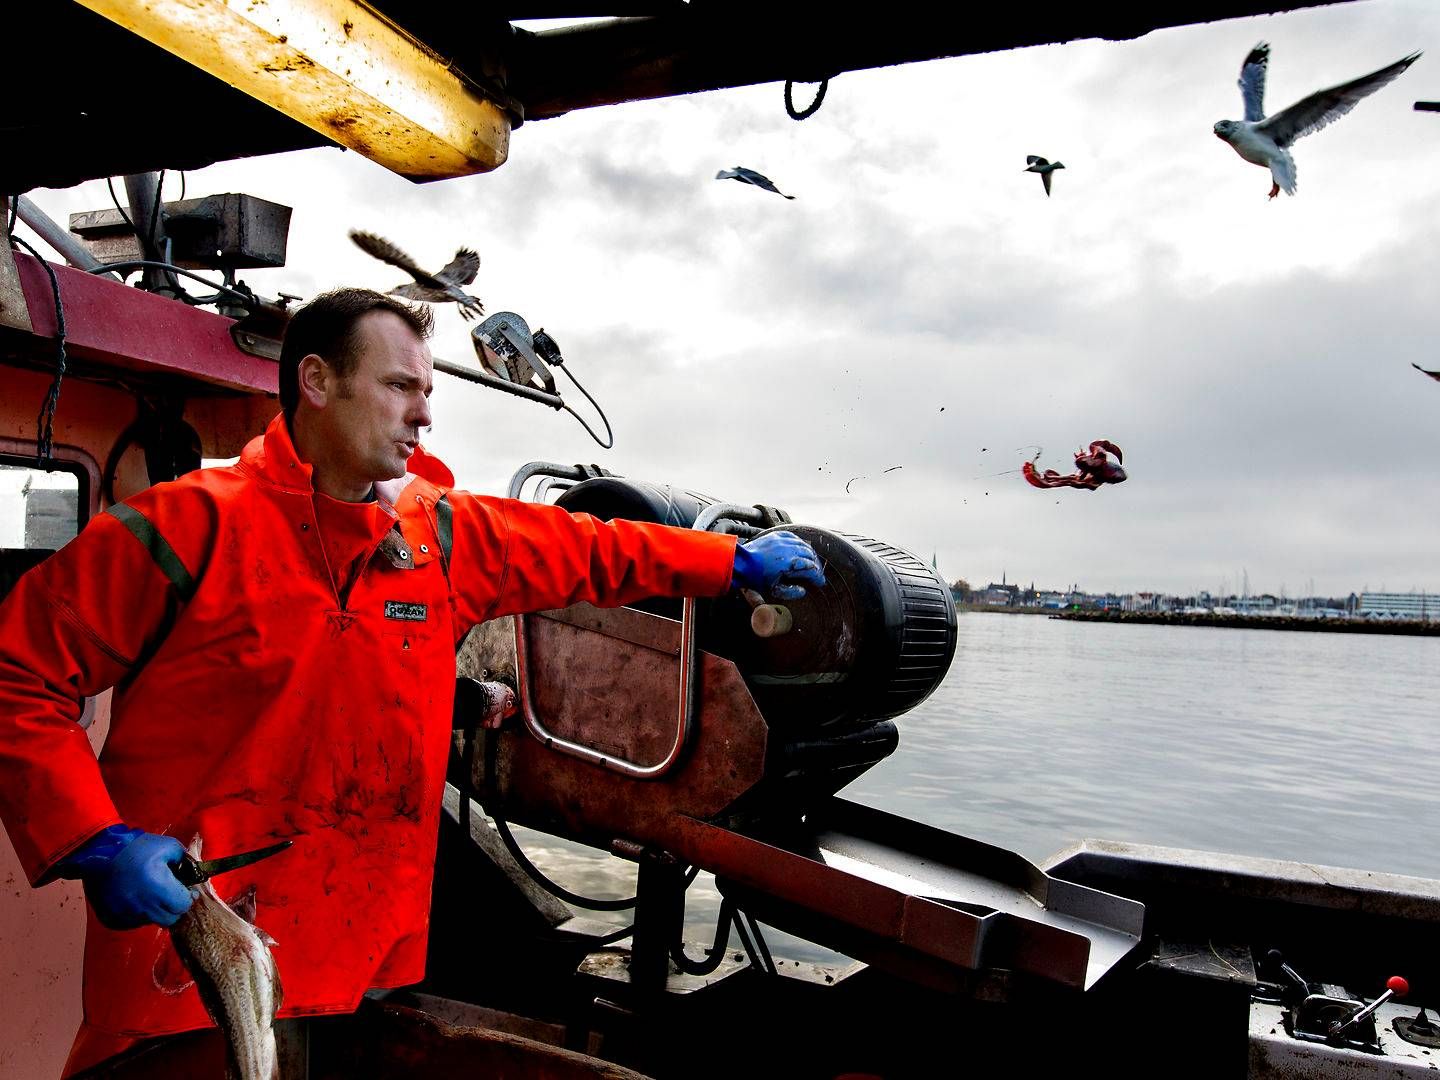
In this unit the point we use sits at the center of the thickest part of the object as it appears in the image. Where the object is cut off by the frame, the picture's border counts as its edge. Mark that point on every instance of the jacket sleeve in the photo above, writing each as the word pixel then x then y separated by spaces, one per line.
pixel 512 557
pixel 71 627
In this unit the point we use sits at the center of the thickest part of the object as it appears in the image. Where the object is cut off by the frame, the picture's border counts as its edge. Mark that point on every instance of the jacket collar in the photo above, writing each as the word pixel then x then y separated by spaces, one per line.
pixel 273 457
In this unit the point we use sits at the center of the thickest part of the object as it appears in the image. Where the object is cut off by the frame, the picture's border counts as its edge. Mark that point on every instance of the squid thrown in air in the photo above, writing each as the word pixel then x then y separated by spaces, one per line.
pixel 1092 469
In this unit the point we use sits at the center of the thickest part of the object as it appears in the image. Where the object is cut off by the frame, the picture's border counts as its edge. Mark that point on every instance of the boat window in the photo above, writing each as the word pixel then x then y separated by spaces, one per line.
pixel 40 512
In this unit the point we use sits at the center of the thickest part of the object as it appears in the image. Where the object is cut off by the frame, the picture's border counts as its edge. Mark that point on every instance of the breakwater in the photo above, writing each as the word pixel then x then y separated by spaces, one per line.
pixel 1258 622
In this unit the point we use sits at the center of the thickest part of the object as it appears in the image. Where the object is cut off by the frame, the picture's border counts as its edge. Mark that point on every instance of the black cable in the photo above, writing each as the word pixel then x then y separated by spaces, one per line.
pixel 155 214
pixel 814 105
pixel 609 433
pixel 513 846
pixel 136 264
pixel 14 212
pixel 110 184
pixel 45 423
pixel 716 951
pixel 123 442
pixel 563 893
pixel 154 219
pixel 614 935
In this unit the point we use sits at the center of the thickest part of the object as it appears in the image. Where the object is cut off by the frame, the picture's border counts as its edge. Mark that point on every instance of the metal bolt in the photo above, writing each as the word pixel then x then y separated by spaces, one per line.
pixel 404 554
pixel 424 549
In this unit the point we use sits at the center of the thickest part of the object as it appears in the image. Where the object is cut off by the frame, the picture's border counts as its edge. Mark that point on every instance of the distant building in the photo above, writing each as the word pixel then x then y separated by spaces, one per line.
pixel 1001 595
pixel 1265 604
pixel 1148 601
pixel 1411 605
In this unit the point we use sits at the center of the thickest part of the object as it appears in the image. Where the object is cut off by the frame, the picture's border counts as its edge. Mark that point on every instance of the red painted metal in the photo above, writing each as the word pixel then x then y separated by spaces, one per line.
pixel 115 324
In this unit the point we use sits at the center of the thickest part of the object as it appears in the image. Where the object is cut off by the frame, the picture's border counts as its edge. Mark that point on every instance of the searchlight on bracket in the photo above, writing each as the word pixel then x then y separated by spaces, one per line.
pixel 519 362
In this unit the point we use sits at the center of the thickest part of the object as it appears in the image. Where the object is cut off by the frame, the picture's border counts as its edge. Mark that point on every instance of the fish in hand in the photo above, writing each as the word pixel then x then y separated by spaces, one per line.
pixel 236 976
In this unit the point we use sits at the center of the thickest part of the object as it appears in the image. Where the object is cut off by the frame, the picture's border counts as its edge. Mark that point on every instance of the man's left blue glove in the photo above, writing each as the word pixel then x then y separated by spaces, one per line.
pixel 776 564
pixel 129 877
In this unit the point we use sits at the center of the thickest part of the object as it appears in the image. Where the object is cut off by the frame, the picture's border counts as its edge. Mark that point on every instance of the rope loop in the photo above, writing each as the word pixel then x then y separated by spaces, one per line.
pixel 814 105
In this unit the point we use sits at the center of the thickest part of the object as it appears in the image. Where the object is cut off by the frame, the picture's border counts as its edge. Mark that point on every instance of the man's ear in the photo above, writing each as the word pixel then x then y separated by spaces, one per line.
pixel 317 381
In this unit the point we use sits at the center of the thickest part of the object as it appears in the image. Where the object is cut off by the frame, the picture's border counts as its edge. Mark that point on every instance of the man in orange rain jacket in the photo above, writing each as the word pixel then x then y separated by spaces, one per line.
pixel 281 635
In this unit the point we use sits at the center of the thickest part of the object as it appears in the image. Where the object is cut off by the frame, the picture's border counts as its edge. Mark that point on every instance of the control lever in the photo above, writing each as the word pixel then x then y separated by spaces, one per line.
pixel 1276 959
pixel 1395 987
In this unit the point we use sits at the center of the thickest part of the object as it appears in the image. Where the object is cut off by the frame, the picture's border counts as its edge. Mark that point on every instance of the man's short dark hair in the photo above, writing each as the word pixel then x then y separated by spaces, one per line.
pixel 326 327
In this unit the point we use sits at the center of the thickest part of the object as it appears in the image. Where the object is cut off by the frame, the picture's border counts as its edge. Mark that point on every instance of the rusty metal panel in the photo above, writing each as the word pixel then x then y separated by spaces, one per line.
pixel 622 696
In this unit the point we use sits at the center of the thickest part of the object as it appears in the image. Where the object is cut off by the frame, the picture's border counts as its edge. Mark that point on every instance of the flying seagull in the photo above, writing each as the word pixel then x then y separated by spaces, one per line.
pixel 437 288
pixel 1426 371
pixel 750 176
pixel 1044 168
pixel 1265 140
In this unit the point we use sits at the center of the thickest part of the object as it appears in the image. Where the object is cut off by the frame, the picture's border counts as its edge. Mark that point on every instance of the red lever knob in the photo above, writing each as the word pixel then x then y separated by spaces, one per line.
pixel 1398 985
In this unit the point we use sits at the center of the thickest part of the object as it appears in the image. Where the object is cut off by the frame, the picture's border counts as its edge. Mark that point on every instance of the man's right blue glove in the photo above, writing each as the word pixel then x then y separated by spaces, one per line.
pixel 776 563
pixel 129 877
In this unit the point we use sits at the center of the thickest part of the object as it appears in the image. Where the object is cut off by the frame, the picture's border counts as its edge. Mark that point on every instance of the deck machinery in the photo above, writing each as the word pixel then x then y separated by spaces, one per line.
pixel 714 736
pixel 689 737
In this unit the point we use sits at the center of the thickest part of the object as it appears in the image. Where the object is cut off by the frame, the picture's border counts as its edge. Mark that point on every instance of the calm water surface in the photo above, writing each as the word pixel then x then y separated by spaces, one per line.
pixel 1310 746
pixel 1316 747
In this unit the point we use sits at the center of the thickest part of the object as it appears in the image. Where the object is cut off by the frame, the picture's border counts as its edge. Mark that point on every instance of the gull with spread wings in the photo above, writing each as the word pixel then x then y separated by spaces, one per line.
pixel 1044 168
pixel 438 288
pixel 1266 140
pixel 750 176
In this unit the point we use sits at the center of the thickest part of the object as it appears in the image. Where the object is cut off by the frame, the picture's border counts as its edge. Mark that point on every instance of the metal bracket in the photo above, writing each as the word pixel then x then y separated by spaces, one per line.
pixel 14 309
pixel 261 331
pixel 574 473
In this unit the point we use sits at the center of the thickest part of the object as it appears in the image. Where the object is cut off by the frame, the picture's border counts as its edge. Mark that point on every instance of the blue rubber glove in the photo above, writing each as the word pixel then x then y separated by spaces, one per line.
pixel 128 877
pixel 776 563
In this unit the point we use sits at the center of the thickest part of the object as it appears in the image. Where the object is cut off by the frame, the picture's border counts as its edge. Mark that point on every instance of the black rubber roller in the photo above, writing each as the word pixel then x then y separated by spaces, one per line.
pixel 873 643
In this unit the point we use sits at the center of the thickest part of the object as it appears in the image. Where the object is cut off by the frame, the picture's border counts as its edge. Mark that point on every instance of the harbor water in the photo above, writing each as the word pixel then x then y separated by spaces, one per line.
pixel 1315 747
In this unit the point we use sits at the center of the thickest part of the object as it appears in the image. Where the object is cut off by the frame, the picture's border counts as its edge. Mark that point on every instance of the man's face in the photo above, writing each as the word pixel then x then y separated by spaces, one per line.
pixel 375 416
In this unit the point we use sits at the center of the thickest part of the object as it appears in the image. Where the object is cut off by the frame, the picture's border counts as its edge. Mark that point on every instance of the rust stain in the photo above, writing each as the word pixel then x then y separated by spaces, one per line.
pixel 298 63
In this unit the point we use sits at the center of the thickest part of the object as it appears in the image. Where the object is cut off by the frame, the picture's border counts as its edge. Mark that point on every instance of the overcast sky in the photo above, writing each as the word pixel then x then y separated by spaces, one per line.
pixel 921 303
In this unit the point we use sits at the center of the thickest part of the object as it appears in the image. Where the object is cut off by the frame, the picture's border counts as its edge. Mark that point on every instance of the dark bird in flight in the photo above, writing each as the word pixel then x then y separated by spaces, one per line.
pixel 1044 168
pixel 750 176
pixel 1266 140
pixel 438 288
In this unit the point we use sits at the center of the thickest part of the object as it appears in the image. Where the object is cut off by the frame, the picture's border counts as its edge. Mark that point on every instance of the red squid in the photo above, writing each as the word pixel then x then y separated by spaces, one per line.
pixel 1092 469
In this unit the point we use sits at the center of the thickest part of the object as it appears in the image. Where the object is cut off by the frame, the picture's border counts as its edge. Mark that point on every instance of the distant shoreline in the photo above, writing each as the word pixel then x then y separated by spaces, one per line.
pixel 1242 622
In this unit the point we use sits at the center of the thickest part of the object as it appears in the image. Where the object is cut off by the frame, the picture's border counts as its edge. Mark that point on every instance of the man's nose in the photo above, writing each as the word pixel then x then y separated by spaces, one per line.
pixel 420 412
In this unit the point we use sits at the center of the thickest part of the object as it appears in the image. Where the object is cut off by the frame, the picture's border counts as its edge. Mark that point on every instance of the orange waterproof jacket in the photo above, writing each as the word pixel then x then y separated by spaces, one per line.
pixel 253 704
